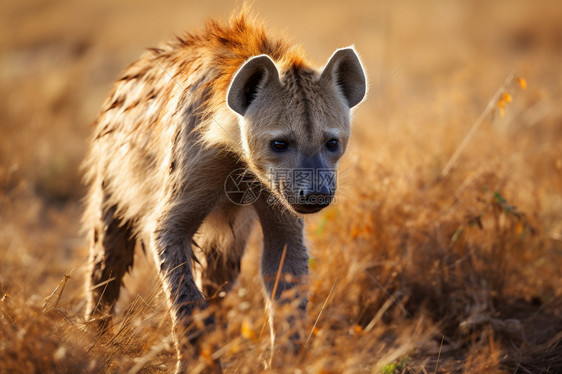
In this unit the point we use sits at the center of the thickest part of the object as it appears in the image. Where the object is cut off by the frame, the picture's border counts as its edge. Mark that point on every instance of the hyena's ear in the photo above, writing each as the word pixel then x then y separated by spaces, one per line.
pixel 255 74
pixel 345 72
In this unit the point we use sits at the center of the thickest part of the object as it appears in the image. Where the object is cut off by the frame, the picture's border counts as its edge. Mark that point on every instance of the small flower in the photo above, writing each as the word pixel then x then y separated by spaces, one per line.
pixel 247 331
pixel 501 106
pixel 522 83
pixel 519 228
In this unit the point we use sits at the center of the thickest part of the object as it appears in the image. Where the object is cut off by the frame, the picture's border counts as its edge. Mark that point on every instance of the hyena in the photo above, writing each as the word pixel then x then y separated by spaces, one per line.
pixel 228 103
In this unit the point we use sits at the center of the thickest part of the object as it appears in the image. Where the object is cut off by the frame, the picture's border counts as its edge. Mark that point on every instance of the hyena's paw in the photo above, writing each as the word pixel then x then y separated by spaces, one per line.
pixel 198 345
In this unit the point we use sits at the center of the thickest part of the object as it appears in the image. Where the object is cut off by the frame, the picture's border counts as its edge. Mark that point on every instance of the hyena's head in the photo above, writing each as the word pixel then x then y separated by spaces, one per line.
pixel 295 124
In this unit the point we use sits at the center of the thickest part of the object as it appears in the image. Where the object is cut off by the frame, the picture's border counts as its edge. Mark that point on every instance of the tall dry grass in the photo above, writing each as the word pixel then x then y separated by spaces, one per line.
pixel 414 269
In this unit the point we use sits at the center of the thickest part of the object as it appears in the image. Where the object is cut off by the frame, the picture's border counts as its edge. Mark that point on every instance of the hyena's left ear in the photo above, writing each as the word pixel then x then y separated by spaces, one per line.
pixel 255 74
pixel 345 72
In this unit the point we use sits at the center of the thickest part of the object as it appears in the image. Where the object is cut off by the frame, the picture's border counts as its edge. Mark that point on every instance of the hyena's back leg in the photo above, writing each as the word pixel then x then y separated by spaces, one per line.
pixel 111 255
pixel 223 240
pixel 220 273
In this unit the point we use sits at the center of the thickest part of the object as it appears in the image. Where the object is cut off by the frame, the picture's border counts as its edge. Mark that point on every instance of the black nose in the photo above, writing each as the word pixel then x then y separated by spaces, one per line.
pixel 311 200
pixel 307 194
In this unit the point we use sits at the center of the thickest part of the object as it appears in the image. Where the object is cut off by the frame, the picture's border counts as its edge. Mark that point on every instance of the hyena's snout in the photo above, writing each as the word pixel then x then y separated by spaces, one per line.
pixel 312 199
pixel 315 186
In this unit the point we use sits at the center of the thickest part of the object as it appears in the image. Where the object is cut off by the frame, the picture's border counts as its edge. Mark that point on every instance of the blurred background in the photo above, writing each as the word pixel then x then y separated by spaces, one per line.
pixel 433 68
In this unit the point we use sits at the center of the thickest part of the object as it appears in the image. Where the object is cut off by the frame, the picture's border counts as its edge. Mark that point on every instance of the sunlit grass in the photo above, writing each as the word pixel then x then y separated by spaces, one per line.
pixel 441 254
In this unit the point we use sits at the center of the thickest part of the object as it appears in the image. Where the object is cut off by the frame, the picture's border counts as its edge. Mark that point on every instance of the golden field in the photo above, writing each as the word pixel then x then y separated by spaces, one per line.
pixel 441 254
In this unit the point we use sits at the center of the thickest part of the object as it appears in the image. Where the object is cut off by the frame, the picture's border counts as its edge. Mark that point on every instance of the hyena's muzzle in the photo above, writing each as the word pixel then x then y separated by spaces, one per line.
pixel 310 187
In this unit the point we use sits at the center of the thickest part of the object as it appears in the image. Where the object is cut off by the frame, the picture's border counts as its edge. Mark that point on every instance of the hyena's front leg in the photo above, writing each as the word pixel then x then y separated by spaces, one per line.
pixel 171 243
pixel 283 231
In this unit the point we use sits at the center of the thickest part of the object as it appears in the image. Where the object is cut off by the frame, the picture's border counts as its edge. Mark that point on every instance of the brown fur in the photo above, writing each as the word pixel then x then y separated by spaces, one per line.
pixel 166 141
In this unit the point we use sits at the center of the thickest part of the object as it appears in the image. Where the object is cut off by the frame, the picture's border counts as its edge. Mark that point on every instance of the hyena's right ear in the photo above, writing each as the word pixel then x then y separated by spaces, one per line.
pixel 249 80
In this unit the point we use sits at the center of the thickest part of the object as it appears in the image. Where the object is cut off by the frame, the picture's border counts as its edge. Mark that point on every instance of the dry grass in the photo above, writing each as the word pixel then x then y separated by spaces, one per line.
pixel 414 270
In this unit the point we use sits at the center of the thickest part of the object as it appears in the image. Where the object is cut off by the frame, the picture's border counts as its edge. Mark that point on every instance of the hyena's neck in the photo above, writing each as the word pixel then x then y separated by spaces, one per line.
pixel 222 131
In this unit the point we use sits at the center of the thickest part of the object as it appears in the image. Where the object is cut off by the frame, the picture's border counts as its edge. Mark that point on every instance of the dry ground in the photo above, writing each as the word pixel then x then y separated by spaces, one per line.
pixel 413 271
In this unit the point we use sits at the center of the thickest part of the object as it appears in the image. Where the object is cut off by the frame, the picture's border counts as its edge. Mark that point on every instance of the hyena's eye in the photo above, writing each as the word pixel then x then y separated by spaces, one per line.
pixel 332 145
pixel 279 145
